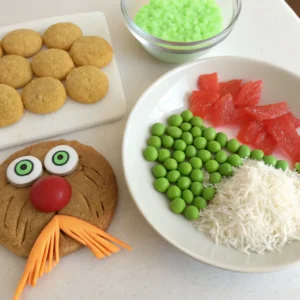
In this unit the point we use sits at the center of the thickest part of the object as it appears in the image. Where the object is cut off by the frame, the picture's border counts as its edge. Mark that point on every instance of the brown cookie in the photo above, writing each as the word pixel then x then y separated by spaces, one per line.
pixel 91 50
pixel 15 71
pixel 44 95
pixel 53 63
pixel 62 35
pixel 94 197
pixel 1 50
pixel 11 106
pixel 23 42
pixel 87 84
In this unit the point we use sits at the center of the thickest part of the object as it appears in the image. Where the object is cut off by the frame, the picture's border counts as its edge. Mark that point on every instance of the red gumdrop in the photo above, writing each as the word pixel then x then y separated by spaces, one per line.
pixel 50 194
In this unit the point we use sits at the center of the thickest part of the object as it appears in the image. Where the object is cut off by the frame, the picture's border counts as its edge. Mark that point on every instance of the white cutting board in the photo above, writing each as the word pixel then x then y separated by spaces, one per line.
pixel 73 116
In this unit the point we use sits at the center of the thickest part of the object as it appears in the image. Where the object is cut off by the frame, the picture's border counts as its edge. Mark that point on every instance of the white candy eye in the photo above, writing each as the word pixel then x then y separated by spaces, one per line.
pixel 24 170
pixel 61 160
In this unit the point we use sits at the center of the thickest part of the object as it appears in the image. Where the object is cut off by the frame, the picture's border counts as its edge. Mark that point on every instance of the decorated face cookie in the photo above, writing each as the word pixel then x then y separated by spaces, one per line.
pixel 56 197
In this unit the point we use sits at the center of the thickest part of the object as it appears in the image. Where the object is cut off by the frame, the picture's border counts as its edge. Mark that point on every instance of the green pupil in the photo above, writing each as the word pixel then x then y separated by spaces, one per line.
pixel 60 158
pixel 24 167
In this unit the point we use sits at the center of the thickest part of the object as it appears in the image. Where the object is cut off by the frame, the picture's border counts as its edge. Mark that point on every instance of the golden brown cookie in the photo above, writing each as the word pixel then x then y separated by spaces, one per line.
pixel 11 106
pixel 94 197
pixel 53 63
pixel 23 42
pixel 44 95
pixel 62 35
pixel 15 71
pixel 87 84
pixel 1 50
pixel 91 50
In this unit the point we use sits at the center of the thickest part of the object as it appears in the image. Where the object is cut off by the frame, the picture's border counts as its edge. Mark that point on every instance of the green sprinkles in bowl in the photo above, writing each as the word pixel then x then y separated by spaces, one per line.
pixel 181 21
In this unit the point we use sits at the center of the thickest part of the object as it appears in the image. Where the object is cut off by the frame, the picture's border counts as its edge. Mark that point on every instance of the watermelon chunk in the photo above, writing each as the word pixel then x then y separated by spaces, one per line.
pixel 230 87
pixel 250 131
pixel 265 142
pixel 294 120
pixel 223 112
pixel 249 94
pixel 209 82
pixel 283 131
pixel 266 112
pixel 201 103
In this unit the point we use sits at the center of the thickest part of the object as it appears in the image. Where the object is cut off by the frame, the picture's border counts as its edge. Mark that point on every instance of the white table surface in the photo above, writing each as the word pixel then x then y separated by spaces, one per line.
pixel 267 30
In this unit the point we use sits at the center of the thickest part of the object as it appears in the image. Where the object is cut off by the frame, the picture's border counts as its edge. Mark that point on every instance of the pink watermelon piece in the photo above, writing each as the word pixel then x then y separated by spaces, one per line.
pixel 201 103
pixel 230 87
pixel 250 131
pixel 249 94
pixel 265 142
pixel 266 112
pixel 223 112
pixel 209 82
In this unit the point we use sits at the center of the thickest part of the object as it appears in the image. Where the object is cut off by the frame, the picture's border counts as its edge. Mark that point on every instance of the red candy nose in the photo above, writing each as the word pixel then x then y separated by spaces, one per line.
pixel 50 194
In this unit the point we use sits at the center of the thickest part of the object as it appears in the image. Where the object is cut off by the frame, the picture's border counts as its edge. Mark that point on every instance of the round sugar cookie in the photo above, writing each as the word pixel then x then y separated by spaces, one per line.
pixel 44 95
pixel 91 50
pixel 87 84
pixel 23 42
pixel 11 106
pixel 62 35
pixel 15 71
pixel 1 50
pixel 55 63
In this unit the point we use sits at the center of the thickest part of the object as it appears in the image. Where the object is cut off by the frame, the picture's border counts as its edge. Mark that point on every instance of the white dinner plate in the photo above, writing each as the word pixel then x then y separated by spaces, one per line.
pixel 170 94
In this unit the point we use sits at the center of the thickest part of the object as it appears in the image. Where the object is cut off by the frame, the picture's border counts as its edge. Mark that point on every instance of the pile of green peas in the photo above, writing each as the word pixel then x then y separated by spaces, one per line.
pixel 184 150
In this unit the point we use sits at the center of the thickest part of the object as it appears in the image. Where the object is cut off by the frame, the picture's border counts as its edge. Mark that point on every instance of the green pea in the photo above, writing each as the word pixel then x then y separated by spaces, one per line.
pixel 257 154
pixel 174 132
pixel 170 164
pixel 282 164
pixel 190 151
pixel 196 188
pixel 173 192
pixel 196 162
pixel 202 127
pixel 184 183
pixel 173 176
pixel 233 145
pixel 154 141
pixel 163 154
pixel 197 175
pixel 175 120
pixel 187 137
pixel 161 184
pixel 208 193
pixel 158 129
pixel 211 166
pixel 244 151
pixel 235 160
pixel 167 141
pixel 200 142
pixel 215 178
pixel 221 156
pixel 159 171
pixel 185 127
pixel 226 169
pixel 222 139
pixel 196 121
pixel 178 206
pixel 150 153
pixel 210 133
pixel 180 145
pixel 185 168
pixel 200 203
pixel 270 160
pixel 204 155
pixel 213 146
pixel 191 213
pixel 297 167
pixel 186 115
pixel 179 156
pixel 196 132
pixel 187 196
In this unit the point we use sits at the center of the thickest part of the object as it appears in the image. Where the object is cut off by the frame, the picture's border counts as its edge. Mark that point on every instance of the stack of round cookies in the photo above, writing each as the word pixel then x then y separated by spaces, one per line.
pixel 70 56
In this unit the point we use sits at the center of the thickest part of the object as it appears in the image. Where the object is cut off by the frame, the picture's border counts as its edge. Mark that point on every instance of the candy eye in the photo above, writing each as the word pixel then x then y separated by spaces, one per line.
pixel 61 160
pixel 24 170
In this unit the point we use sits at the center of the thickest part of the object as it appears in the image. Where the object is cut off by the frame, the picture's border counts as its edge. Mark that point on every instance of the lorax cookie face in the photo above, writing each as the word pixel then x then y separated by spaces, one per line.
pixel 55 197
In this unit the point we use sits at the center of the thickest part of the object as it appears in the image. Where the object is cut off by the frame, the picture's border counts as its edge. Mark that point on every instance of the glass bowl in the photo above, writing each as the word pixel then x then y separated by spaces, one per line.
pixel 179 52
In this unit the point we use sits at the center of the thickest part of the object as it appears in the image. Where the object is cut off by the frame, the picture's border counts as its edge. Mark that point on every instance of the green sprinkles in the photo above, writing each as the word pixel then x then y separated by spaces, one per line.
pixel 181 21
